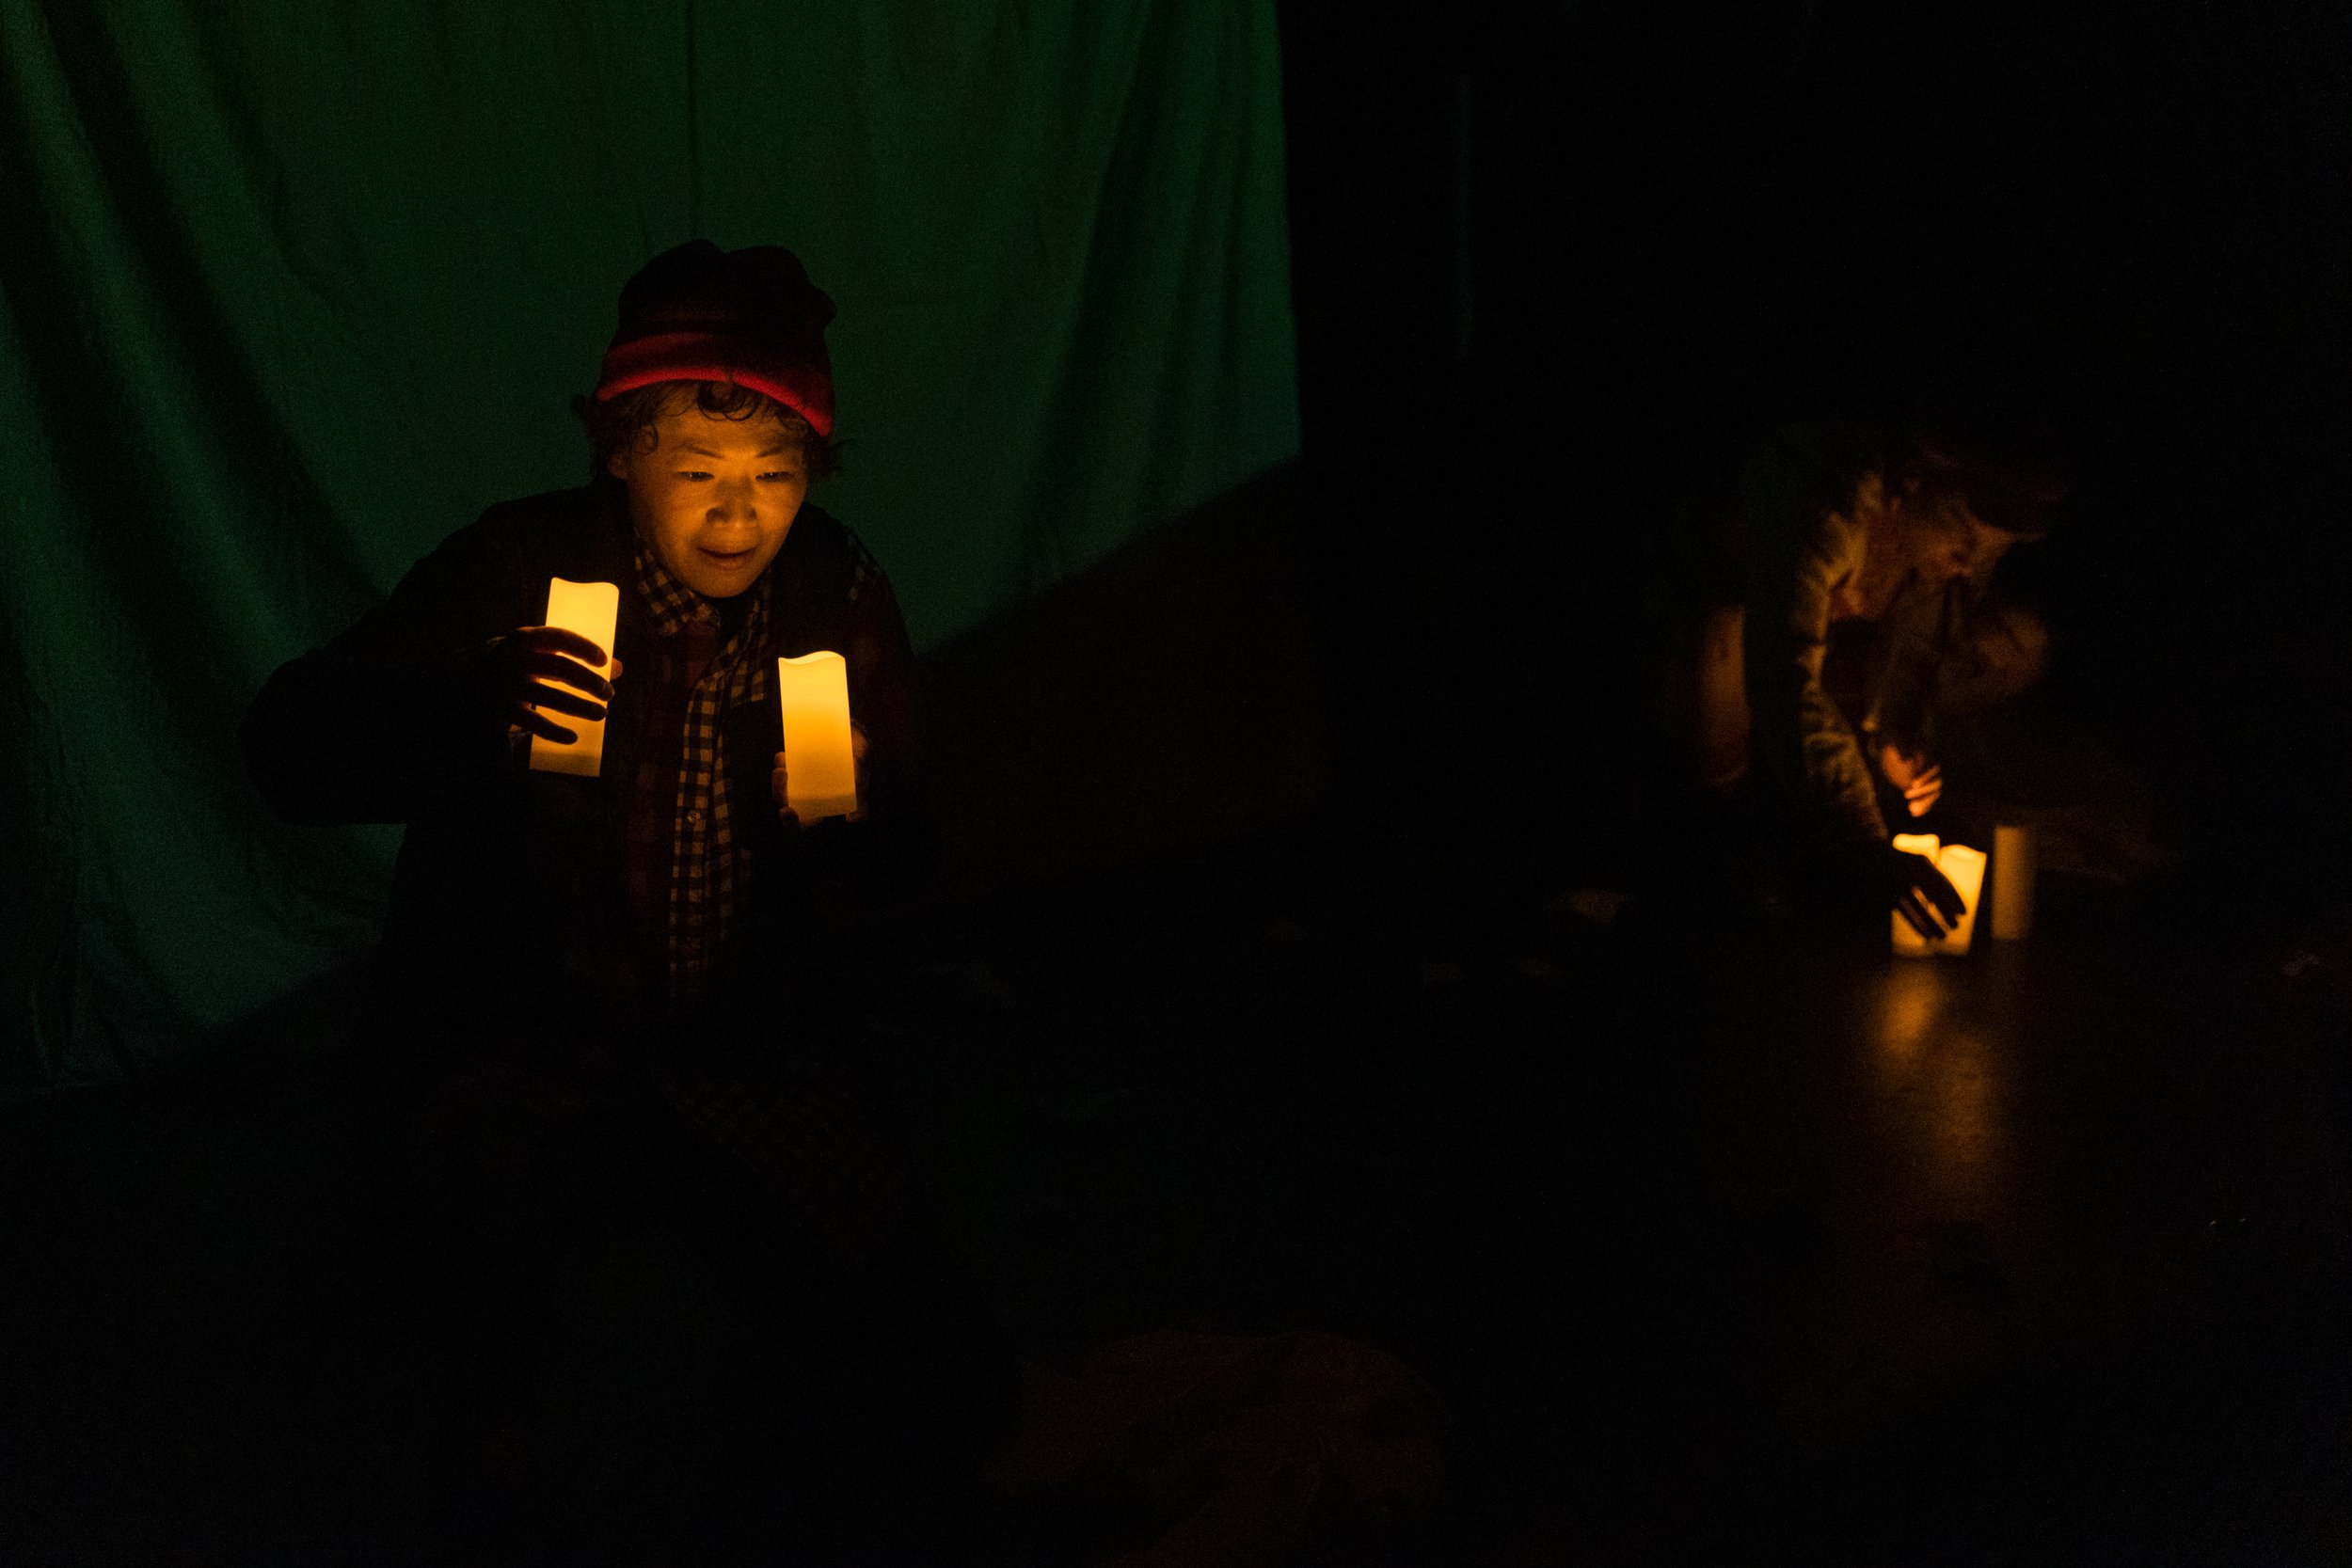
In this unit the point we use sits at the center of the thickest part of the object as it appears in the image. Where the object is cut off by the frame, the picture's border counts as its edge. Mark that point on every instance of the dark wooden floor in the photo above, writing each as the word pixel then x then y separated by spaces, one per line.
pixel 1708 1241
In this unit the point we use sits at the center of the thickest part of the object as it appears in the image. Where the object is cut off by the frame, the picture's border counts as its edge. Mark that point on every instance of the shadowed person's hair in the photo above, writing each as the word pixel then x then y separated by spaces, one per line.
pixel 2007 471
pixel 1931 492
pixel 626 423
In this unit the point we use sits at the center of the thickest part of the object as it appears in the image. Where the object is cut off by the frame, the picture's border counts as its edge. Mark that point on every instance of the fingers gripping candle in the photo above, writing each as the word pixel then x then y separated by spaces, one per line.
pixel 820 768
pixel 1964 868
pixel 588 609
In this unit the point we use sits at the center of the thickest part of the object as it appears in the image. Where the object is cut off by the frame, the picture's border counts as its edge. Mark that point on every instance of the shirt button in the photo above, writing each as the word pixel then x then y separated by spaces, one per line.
pixel 694 819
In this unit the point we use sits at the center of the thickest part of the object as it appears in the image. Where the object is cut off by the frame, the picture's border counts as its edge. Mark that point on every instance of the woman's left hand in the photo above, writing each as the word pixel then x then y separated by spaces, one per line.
pixel 790 818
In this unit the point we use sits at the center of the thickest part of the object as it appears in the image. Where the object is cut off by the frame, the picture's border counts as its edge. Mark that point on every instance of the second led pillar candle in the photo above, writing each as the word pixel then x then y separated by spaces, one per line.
pixel 820 759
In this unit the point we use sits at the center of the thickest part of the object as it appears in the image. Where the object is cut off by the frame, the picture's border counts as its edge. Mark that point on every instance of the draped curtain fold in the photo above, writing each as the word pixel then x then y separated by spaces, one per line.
pixel 290 292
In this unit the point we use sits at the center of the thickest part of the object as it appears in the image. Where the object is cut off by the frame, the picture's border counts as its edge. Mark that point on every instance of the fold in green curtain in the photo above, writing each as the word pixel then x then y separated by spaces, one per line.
pixel 292 291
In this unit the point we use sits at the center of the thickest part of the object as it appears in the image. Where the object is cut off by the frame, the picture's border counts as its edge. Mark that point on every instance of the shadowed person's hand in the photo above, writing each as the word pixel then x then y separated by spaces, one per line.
pixel 1920 780
pixel 1923 896
pixel 519 669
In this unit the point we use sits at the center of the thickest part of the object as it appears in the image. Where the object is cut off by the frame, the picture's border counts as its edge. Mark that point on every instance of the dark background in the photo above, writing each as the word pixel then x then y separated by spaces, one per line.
pixel 1551 261
pixel 1935 1260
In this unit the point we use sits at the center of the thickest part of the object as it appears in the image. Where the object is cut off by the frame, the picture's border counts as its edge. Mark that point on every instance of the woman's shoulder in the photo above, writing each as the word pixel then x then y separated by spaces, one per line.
pixel 824 554
pixel 818 541
pixel 553 520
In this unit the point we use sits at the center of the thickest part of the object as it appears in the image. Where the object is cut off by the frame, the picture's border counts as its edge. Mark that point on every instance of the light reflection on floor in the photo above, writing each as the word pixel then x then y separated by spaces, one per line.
pixel 1940 1078
pixel 1917 1288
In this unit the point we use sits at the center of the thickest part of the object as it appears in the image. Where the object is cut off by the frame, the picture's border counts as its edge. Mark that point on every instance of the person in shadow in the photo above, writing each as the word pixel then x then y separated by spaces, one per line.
pixel 1835 609
pixel 677 1258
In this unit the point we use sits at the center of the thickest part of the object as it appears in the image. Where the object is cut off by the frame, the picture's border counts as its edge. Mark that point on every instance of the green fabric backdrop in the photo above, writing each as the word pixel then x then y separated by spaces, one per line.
pixel 292 291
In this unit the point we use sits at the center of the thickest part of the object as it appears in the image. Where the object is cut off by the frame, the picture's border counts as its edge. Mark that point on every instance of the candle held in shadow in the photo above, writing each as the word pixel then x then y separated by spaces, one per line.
pixel 2012 882
pixel 1964 868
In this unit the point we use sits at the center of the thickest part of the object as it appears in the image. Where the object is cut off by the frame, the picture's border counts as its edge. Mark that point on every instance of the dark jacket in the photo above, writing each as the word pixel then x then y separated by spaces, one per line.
pixel 510 887
pixel 1814 736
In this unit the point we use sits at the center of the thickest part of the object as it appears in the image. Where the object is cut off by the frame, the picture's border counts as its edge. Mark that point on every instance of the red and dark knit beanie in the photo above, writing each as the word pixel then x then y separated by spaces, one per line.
pixel 751 316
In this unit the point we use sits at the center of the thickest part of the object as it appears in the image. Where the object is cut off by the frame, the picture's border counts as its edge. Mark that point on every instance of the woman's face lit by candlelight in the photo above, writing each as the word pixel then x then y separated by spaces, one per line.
pixel 714 497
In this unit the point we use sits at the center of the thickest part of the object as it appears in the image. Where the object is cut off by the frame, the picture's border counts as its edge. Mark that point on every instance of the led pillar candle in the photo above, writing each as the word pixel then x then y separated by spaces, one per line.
pixel 2012 882
pixel 588 609
pixel 1964 868
pixel 1908 942
pixel 820 769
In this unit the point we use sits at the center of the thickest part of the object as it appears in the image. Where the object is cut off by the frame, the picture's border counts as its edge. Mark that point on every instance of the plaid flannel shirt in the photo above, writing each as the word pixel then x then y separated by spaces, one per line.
pixel 800 1137
pixel 706 876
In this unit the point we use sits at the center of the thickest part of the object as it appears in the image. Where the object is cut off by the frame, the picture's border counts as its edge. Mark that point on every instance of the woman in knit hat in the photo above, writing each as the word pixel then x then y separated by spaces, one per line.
pixel 630 998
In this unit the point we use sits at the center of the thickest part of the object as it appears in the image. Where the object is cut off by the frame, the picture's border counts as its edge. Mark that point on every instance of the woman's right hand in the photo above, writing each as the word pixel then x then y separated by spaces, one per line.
pixel 519 670
pixel 1924 897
